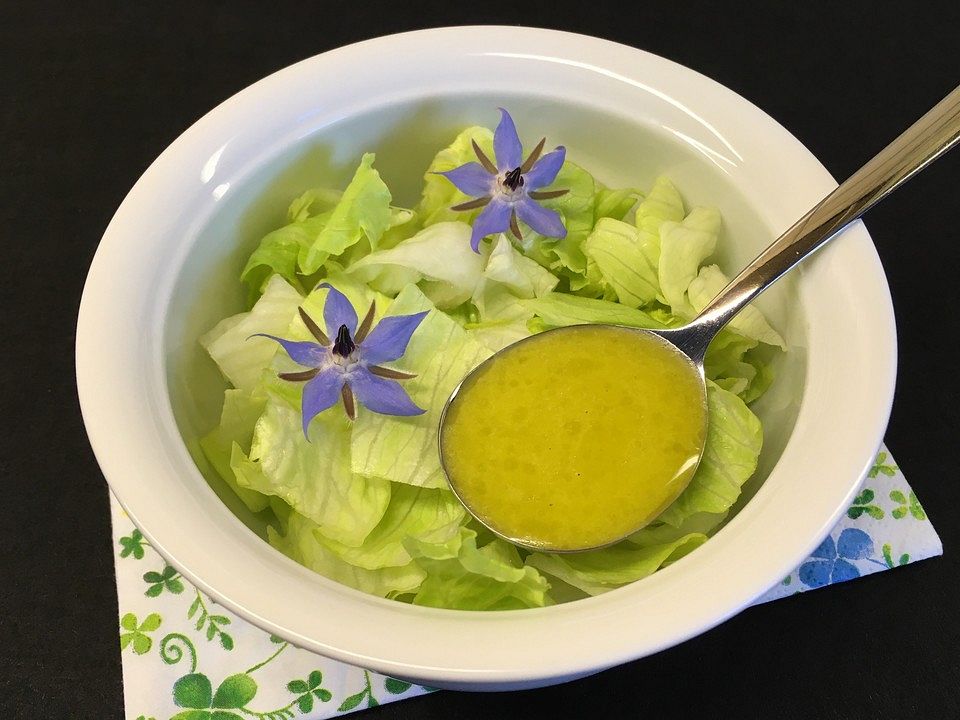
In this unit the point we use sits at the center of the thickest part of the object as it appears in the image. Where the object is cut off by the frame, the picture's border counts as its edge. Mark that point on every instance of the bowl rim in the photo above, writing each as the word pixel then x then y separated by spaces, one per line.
pixel 513 648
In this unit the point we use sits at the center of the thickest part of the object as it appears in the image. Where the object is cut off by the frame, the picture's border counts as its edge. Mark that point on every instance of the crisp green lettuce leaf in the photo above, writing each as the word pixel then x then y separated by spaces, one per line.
pixel 404 449
pixel 439 194
pixel 749 322
pixel 565 256
pixel 299 542
pixel 314 477
pixel 237 420
pixel 508 279
pixel 734 440
pixel 488 578
pixel 615 203
pixel 439 255
pixel 622 261
pixel 659 533
pixel 428 517
pixel 724 361
pixel 362 211
pixel 683 248
pixel 662 204
pixel 557 309
pixel 240 357
pixel 312 202
pixel 603 570
pixel 278 252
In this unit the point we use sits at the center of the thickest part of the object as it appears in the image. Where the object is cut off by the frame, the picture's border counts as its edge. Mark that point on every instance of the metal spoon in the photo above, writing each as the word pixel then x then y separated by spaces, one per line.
pixel 923 142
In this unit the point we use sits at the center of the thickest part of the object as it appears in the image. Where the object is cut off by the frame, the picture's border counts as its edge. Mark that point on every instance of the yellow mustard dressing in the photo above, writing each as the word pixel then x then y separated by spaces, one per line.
pixel 573 439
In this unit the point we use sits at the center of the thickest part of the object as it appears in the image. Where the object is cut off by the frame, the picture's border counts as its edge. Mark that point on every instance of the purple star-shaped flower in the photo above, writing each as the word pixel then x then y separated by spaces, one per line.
pixel 510 189
pixel 349 367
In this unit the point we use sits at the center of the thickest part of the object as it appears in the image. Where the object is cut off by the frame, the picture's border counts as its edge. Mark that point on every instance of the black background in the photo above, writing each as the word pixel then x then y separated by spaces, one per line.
pixel 90 95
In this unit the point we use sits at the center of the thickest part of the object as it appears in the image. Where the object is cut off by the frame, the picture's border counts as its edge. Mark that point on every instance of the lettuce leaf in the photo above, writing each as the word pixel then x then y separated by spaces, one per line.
pixel 734 440
pixel 662 204
pixel 237 420
pixel 749 322
pixel 430 518
pixel 623 262
pixel 299 542
pixel 488 578
pixel 557 309
pixel 314 477
pixel 439 194
pixel 565 256
pixel 439 255
pixel 362 211
pixel 278 252
pixel 240 357
pixel 508 279
pixel 615 203
pixel 603 570
pixel 404 449
pixel 683 247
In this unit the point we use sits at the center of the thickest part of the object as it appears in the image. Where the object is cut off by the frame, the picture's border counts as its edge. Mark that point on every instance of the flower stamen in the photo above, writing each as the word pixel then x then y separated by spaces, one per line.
pixel 533 157
pixel 365 325
pixel 472 204
pixel 515 226
pixel 346 394
pixel 390 373
pixel 484 160
pixel 300 376
pixel 513 179
pixel 344 344
pixel 547 194
pixel 313 328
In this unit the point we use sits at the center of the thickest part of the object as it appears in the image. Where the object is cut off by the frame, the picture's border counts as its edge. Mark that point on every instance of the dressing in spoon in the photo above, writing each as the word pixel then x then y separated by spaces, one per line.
pixel 575 438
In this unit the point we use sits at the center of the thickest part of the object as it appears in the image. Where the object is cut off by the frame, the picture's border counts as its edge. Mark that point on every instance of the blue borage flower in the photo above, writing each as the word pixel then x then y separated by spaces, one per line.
pixel 348 367
pixel 509 190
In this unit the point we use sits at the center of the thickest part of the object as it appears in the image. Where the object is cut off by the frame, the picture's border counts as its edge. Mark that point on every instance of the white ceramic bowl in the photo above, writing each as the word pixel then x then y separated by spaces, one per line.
pixel 167 269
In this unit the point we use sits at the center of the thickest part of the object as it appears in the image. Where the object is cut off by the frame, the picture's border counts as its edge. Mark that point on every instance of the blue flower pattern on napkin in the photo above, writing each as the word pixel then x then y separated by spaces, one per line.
pixel 830 562
pixel 884 528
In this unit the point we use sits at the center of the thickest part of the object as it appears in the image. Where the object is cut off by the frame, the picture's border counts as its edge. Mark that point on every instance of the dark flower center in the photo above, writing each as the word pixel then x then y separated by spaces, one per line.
pixel 513 179
pixel 344 344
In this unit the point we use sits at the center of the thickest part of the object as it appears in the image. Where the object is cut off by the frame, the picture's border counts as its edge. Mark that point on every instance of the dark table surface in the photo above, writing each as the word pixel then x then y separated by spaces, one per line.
pixel 91 96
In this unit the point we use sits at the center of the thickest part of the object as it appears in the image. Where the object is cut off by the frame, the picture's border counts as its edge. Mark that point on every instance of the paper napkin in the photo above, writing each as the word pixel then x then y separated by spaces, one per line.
pixel 184 656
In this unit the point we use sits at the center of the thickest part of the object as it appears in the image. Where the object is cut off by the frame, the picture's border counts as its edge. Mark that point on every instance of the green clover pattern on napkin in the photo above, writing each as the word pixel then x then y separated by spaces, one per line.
pixel 186 658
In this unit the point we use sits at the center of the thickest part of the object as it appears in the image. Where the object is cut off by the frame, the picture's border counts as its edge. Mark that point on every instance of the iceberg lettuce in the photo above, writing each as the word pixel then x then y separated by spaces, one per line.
pixel 491 577
pixel 603 570
pixel 243 359
pixel 366 503
pixel 300 543
pixel 731 451
pixel 314 477
pixel 404 449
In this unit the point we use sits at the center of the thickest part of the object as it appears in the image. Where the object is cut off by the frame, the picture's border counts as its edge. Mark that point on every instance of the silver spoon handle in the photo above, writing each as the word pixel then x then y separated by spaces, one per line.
pixel 922 143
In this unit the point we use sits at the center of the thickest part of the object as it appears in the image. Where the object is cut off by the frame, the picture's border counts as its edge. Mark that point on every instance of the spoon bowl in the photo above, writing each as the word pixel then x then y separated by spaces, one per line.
pixel 923 142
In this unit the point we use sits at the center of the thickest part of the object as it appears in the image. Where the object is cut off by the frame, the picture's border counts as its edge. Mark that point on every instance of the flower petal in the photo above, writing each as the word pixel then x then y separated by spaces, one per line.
pixel 338 311
pixel 309 354
pixel 854 544
pixel 494 218
pixel 320 393
pixel 381 395
pixel 388 340
pixel 471 179
pixel 545 170
pixel 543 220
pixel 506 143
